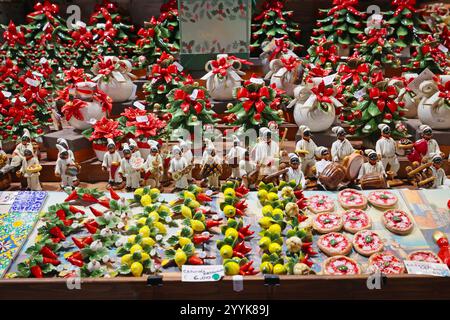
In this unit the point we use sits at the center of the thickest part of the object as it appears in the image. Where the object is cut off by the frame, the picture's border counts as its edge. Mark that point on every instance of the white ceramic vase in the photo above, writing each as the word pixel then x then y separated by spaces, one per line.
pixel 92 111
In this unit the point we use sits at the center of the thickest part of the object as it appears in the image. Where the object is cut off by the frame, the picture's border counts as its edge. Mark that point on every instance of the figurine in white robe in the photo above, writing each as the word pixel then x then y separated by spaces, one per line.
pixel 294 172
pixel 63 162
pixel 307 159
pixel 324 156
pixel 111 163
pixel 372 166
pixel 132 175
pixel 19 152
pixel 177 165
pixel 386 149
pixel 266 153
pixel 432 145
pixel 63 143
pixel 153 166
pixel 234 156
pixel 441 181
pixel 33 182
pixel 185 147
pixel 212 169
pixel 246 167
pixel 134 148
pixel 341 148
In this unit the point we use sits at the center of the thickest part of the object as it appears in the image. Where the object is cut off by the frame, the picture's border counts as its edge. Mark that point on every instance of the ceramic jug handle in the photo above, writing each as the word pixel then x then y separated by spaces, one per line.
pixel 208 66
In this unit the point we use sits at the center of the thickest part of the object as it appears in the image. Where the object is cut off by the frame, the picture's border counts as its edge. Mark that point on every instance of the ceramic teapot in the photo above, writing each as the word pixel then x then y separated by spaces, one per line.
pixel 434 106
pixel 114 77
pixel 223 76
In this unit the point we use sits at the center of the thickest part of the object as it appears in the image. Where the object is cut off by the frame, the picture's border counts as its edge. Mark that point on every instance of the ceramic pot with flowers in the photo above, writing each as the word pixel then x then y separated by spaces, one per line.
pixel 314 105
pixel 434 106
pixel 285 73
pixel 113 77
pixel 223 76
pixel 87 105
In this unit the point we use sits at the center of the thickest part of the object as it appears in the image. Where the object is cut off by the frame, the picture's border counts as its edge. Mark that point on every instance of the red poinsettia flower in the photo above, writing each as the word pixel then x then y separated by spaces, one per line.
pixel 252 99
pixel 345 4
pixel 323 93
pixel 74 75
pixel 106 128
pixel 151 128
pixel 13 36
pixel 146 36
pixel 73 109
pixel 188 100
pixel 444 89
pixel 131 113
pixel 167 73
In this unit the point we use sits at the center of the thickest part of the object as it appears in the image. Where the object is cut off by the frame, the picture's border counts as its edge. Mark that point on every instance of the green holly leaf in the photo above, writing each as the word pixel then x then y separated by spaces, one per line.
pixel 345 40
pixel 402 31
pixel 373 110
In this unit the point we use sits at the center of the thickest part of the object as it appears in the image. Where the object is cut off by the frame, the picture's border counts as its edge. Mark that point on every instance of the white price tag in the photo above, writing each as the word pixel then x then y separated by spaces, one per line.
pixel 257 80
pixel 202 273
pixel 194 94
pixel 139 105
pixel 43 60
pixel 141 119
pixel 81 24
pixel 37 74
pixel 46 26
pixel 427 268
pixel 7 197
pixel 443 48
pixel 22 99
pixel 329 79
pixel 101 25
pixel 31 82
pixel 360 93
pixel 423 76
pixel 6 94
pixel 179 66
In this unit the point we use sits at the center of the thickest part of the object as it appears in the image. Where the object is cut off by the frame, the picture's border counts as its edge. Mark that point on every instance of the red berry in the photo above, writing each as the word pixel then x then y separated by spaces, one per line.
pixel 388 116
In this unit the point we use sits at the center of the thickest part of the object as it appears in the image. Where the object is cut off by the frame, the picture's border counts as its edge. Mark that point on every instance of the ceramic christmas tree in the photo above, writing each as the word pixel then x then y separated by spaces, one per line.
pixel 113 34
pixel 168 19
pixel 151 43
pixel 406 22
pixel 189 106
pixel 323 53
pixel 375 47
pixel 274 22
pixel 13 43
pixel 378 105
pixel 257 105
pixel 342 23
pixel 429 54
pixel 81 48
pixel 165 75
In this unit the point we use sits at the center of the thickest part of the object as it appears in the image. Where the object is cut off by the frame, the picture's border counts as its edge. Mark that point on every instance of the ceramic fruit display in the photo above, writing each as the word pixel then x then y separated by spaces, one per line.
pixel 88 105
pixel 285 73
pixel 314 105
pixel 223 76
pixel 434 107
pixel 114 78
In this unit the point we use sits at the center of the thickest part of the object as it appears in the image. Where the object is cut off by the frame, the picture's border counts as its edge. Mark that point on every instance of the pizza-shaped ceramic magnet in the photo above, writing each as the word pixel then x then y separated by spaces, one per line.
pixel 386 263
pixel 356 220
pixel 327 222
pixel 382 199
pixel 352 199
pixel 334 244
pixel 398 222
pixel 320 203
pixel 367 242
pixel 425 256
pixel 341 266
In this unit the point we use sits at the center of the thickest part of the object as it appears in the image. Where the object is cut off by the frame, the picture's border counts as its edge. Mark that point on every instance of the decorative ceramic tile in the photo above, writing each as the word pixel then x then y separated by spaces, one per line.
pixel 28 201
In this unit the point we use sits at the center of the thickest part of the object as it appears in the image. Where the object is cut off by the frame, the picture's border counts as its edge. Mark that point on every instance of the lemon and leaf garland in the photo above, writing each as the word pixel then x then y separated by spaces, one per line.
pixel 234 250
pixel 279 213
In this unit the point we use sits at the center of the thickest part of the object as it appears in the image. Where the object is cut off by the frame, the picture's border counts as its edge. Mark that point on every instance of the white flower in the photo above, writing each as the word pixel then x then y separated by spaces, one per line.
pixel 108 215
pixel 96 245
pixel 93 265
pixel 294 244
pixel 106 232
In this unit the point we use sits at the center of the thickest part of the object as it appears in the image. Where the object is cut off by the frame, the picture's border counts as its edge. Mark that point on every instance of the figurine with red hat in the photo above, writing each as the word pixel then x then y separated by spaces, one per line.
pixel 111 164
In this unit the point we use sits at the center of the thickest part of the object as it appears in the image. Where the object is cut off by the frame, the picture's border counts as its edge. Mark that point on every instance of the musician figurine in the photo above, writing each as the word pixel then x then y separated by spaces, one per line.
pixel 386 148
pixel 441 181
pixel 294 171
pixel 432 145
pixel 31 170
pixel 129 170
pixel 135 152
pixel 324 160
pixel 372 166
pixel 63 143
pixel 266 153
pixel 212 169
pixel 66 168
pixel 153 166
pixel 341 148
pixel 19 152
pixel 111 164
pixel 306 149
pixel 234 156
pixel 178 169
pixel 185 147
pixel 248 171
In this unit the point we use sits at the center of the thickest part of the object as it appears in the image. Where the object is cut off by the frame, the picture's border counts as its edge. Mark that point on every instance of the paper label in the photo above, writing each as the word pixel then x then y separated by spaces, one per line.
pixel 22 99
pixel 46 26
pixel 443 48
pixel 257 80
pixel 139 105
pixel 31 82
pixel 360 93
pixel 179 66
pixel 427 268
pixel 194 94
pixel 423 76
pixel 141 119
pixel 92 121
pixel 329 79
pixel 7 94
pixel 101 25
pixel 43 60
pixel 202 273
pixel 133 92
pixel 81 24
pixel 37 74
pixel 270 46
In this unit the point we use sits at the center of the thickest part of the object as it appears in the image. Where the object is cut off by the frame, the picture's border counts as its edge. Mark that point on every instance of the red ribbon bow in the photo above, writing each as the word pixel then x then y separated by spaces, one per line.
pixel 73 109
pixel 105 67
pixel 145 34
pixel 271 6
pixel 384 98
pixel 255 98
pixel 354 74
pixel 280 47
pixel 345 4
pixel 188 102
pixel 82 36
pixel 327 54
pixel 444 89
pixel 74 75
pixel 12 36
pixel 377 35
pixel 166 73
pixel 220 66
pixel 402 5
pixel 323 93
pixel 49 9
pixel 290 63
